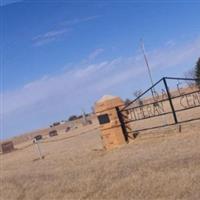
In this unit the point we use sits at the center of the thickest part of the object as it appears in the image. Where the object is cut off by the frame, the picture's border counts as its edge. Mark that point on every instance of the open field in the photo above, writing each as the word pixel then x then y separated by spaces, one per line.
pixel 162 165
pixel 59 128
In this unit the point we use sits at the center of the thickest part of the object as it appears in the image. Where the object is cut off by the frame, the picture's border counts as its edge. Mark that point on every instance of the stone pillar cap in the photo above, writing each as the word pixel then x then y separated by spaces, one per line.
pixel 108 102
pixel 106 98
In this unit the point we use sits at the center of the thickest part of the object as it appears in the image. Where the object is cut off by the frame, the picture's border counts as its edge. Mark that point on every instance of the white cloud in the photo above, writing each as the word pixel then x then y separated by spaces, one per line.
pixel 170 43
pixel 69 91
pixel 80 20
pixel 113 72
pixel 49 36
pixel 9 2
pixel 95 54
pixel 53 35
pixel 176 54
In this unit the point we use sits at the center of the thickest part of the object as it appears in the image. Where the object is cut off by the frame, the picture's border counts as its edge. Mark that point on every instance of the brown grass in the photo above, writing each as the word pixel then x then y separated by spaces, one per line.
pixel 162 165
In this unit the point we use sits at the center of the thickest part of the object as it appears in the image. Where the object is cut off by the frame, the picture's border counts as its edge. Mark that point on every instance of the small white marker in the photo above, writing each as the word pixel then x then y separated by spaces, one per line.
pixel 36 142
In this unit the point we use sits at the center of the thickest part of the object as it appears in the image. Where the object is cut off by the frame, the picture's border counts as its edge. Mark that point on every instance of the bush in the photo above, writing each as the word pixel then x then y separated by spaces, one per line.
pixel 127 102
pixel 73 117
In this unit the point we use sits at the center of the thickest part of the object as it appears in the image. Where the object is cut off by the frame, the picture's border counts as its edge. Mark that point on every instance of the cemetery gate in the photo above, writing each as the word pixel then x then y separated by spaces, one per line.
pixel 169 101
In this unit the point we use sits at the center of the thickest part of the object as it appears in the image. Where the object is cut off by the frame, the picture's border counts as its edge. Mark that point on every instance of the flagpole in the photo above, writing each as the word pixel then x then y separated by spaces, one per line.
pixel 146 61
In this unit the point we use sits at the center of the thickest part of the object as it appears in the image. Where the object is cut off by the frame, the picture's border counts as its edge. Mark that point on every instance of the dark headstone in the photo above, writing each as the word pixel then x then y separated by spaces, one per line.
pixel 38 137
pixel 67 129
pixel 7 147
pixel 53 133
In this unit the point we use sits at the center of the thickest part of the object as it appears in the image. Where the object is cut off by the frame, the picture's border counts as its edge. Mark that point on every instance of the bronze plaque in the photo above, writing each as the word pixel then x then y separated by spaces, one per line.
pixel 103 119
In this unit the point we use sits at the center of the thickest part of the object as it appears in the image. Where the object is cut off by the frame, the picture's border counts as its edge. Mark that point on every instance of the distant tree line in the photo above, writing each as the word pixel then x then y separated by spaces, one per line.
pixel 75 117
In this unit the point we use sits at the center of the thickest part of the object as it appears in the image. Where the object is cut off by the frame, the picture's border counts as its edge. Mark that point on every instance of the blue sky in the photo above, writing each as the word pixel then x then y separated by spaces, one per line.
pixel 58 57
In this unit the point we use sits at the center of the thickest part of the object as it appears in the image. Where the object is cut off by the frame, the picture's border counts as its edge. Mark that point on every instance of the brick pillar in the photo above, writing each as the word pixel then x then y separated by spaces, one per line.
pixel 110 126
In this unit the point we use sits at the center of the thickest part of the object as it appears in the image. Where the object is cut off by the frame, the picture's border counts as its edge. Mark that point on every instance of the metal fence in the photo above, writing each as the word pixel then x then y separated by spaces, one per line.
pixel 169 101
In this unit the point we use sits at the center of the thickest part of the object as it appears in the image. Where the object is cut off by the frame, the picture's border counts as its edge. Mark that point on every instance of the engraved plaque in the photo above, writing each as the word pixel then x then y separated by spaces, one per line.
pixel 103 119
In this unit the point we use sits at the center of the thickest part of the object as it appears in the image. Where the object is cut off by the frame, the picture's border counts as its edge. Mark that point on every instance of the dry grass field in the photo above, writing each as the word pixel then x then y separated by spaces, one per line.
pixel 45 131
pixel 163 164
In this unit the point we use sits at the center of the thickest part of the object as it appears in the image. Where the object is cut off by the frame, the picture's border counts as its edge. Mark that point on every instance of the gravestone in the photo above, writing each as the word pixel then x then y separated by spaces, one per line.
pixel 53 133
pixel 7 147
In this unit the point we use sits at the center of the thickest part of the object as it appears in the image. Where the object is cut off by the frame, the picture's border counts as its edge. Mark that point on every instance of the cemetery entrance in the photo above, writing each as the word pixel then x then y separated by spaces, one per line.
pixel 169 101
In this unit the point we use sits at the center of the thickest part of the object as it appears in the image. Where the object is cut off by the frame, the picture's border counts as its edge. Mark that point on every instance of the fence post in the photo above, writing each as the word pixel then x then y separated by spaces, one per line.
pixel 122 124
pixel 170 100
